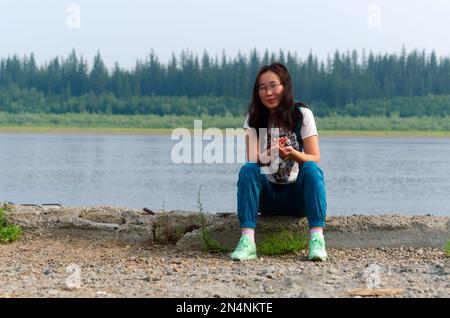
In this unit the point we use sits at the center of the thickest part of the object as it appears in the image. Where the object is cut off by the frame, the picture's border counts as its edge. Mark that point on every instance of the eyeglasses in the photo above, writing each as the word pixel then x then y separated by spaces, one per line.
pixel 271 87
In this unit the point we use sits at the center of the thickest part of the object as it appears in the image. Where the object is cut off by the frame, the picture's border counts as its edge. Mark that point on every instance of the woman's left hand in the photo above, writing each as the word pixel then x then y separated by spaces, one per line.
pixel 285 151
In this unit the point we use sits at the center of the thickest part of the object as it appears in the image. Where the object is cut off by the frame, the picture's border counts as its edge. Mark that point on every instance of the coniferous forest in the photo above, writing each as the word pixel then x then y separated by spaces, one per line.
pixel 404 84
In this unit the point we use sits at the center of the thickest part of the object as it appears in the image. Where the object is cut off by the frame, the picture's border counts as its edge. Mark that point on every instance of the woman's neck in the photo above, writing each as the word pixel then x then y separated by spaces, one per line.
pixel 271 111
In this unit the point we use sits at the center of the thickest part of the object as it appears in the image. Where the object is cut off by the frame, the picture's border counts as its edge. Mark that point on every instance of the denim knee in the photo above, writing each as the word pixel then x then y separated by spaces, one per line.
pixel 249 171
pixel 310 169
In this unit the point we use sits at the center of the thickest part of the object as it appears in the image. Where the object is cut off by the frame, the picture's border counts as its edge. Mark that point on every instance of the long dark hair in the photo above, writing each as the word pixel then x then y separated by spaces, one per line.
pixel 286 114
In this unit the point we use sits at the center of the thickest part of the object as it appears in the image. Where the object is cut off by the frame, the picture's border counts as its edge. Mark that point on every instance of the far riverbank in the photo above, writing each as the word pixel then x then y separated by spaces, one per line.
pixel 166 131
pixel 157 125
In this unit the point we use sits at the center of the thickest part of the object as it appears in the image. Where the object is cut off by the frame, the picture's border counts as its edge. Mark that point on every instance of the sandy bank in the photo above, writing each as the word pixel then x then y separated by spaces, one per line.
pixel 37 266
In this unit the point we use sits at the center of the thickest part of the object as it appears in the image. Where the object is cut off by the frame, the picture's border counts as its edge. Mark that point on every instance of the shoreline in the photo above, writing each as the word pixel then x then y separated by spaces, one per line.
pixel 167 132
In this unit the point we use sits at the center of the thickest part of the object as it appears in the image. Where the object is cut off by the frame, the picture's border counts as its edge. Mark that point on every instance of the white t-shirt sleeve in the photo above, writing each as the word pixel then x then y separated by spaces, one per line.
pixel 246 123
pixel 308 128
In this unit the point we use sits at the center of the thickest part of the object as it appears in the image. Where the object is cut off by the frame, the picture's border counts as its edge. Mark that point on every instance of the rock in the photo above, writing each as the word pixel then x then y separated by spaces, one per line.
pixel 53 292
pixel 184 228
pixel 170 227
pixel 102 215
pixel 446 269
pixel 73 281
pixel 375 292
pixel 268 289
pixel 130 233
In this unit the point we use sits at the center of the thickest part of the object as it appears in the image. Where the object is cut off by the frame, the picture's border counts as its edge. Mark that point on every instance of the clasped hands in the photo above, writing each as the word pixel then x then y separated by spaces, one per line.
pixel 283 145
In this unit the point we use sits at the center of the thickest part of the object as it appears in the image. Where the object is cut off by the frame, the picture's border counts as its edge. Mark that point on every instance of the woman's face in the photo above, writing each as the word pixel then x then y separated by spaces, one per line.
pixel 270 90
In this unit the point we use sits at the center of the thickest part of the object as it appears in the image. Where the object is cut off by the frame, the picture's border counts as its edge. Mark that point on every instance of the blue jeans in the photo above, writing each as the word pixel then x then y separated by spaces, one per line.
pixel 305 197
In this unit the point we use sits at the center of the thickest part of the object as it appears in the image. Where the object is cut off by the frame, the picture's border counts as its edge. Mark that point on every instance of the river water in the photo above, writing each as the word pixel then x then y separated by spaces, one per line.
pixel 364 175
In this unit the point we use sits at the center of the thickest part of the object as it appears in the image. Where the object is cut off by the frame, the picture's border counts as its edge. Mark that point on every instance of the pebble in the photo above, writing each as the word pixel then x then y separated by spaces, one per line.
pixel 268 289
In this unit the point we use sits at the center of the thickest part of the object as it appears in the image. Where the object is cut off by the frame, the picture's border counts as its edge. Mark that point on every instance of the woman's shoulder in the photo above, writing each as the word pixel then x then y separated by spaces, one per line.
pixel 306 112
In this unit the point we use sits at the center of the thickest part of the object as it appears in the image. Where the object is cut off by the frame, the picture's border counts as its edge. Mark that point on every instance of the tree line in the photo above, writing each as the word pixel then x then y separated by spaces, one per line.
pixel 192 85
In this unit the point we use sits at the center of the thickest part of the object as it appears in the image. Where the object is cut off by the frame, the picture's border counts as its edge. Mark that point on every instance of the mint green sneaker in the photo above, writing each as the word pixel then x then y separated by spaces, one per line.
pixel 317 250
pixel 245 250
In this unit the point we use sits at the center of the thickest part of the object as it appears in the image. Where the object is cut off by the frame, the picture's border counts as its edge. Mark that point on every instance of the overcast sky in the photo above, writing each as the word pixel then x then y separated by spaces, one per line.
pixel 126 30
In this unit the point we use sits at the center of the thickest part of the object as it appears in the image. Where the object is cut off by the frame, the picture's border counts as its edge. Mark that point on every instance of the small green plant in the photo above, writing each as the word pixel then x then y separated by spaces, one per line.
pixel 283 242
pixel 447 248
pixel 178 232
pixel 8 232
pixel 199 201
pixel 209 243
pixel 164 232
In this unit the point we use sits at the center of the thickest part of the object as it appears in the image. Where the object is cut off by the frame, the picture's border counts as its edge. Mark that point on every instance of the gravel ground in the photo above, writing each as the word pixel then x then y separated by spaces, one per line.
pixel 39 266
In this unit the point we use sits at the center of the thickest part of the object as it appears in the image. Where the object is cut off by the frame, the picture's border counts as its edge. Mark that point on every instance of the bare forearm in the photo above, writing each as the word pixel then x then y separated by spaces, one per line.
pixel 302 157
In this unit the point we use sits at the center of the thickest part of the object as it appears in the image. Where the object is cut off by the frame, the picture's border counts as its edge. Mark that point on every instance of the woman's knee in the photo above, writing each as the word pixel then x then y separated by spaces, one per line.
pixel 310 168
pixel 249 169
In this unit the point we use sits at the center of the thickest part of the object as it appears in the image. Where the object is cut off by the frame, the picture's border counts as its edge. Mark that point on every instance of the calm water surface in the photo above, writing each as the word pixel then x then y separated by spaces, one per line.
pixel 363 175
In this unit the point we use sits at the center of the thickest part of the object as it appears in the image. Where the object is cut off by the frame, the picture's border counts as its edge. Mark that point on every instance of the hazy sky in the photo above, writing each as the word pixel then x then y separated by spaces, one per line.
pixel 125 30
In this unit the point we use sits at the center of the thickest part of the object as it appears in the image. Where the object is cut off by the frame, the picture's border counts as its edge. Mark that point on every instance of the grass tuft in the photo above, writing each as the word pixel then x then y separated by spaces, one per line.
pixel 8 232
pixel 283 242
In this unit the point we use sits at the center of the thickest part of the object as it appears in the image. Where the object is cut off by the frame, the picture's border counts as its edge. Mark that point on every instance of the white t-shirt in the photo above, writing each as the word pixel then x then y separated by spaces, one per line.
pixel 308 129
